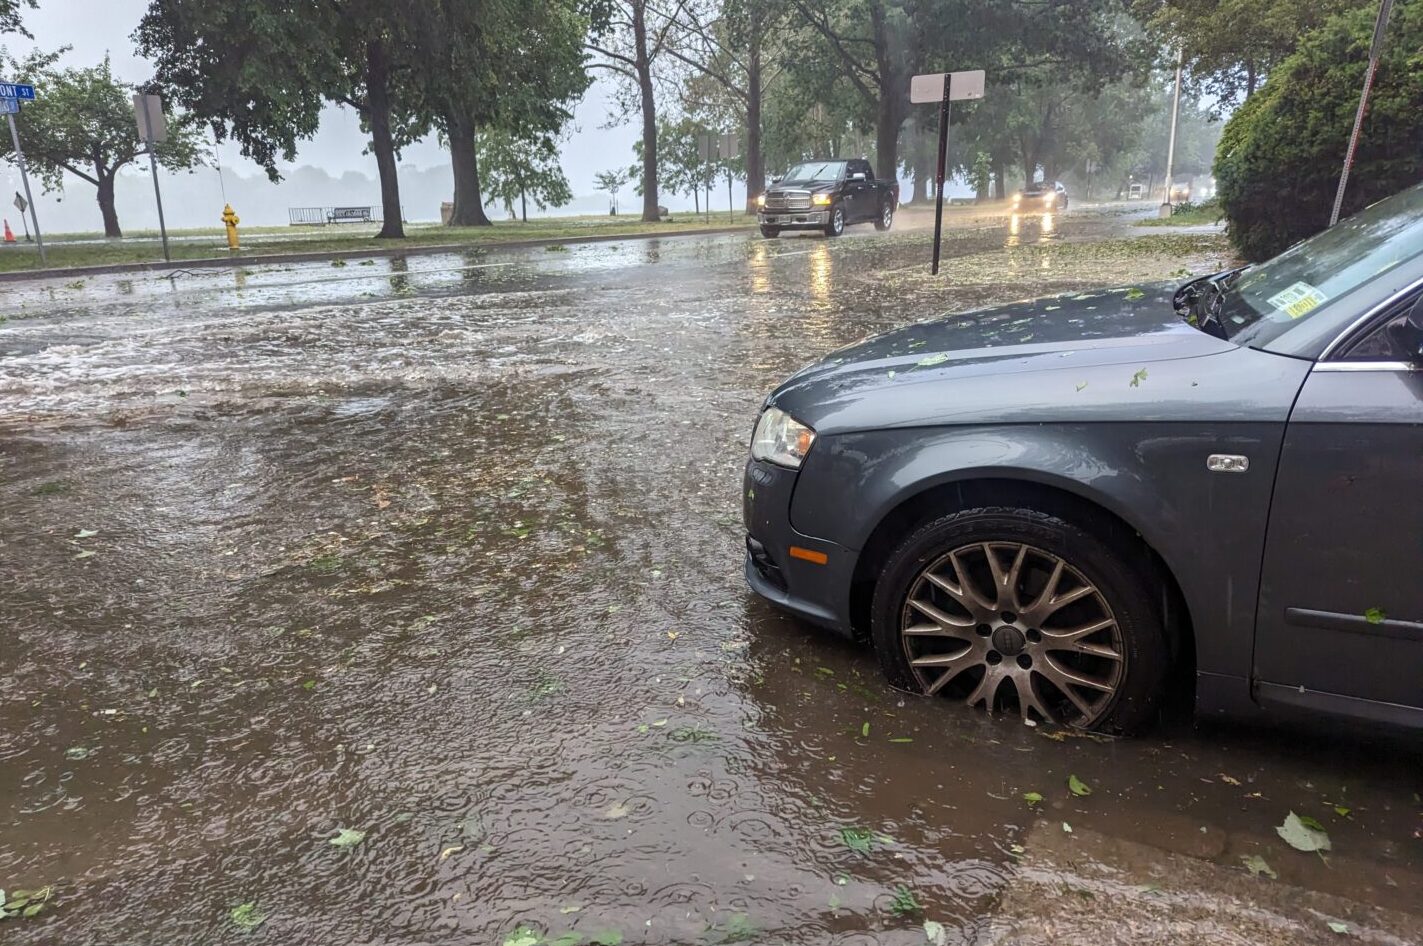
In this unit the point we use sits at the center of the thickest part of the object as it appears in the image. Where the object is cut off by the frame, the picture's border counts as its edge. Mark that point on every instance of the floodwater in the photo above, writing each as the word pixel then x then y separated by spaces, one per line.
pixel 446 551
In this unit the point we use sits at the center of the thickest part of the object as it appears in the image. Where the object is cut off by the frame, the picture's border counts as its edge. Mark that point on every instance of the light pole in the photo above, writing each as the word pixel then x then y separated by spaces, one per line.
pixel 1171 144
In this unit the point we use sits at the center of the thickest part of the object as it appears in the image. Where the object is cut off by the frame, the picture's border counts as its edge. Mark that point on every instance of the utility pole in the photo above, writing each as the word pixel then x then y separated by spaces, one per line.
pixel 1171 144
pixel 1380 26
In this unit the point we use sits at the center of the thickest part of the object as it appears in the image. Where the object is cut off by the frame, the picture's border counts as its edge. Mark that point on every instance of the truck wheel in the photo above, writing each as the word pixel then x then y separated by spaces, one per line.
pixel 770 233
pixel 836 226
pixel 885 220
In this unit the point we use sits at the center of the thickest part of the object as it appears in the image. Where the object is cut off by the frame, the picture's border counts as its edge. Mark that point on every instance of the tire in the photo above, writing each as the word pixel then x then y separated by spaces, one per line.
pixel 836 226
pixel 1122 665
pixel 770 233
pixel 885 220
pixel 1062 206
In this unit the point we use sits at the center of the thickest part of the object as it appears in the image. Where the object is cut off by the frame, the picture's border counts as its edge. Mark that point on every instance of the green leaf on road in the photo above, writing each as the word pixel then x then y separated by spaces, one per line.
pixel 245 917
pixel 904 902
pixel 1375 616
pixel 865 731
pixel 523 936
pixel 1301 836
pixel 1134 294
pixel 1033 798
pixel 1137 378
pixel 1337 927
pixel 935 933
pixel 1342 810
pixel 1257 865
pixel 902 739
pixel 347 837
pixel 607 938
pixel 1078 787
pixel 931 360
pixel 564 939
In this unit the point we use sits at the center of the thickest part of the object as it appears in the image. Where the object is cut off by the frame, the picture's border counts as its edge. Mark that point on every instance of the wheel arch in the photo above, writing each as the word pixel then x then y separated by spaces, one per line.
pixel 916 506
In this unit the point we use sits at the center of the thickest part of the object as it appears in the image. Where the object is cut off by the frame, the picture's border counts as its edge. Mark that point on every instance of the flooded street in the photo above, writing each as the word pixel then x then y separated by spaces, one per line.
pixel 441 558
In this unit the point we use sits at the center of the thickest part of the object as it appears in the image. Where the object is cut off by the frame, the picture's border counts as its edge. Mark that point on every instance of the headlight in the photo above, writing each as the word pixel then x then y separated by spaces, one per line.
pixel 781 439
pixel 760 200
pixel 820 200
pixel 1051 197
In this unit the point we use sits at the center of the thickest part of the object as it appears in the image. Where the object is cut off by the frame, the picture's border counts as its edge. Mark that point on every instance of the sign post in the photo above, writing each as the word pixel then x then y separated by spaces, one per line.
pixel 11 95
pixel 730 148
pixel 944 88
pixel 1380 27
pixel 22 205
pixel 152 128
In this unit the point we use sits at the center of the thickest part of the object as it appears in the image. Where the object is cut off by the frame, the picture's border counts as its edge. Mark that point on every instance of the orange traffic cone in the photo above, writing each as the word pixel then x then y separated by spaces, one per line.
pixel 9 234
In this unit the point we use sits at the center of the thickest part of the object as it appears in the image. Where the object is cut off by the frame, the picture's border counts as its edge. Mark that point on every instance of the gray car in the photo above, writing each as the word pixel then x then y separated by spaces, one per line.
pixel 1047 508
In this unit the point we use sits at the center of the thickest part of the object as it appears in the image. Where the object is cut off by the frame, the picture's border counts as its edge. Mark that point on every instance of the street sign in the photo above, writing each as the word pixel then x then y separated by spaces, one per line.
pixel 9 106
pixel 11 90
pixel 148 112
pixel 20 203
pixel 730 145
pixel 962 86
pixel 944 88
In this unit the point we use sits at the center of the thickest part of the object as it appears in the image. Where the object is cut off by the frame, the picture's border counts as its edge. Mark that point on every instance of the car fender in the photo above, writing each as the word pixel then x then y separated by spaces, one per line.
pixel 1208 528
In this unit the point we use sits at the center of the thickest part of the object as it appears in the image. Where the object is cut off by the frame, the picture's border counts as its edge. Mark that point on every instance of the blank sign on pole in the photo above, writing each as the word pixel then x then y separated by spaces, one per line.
pixel 148 112
pixel 962 87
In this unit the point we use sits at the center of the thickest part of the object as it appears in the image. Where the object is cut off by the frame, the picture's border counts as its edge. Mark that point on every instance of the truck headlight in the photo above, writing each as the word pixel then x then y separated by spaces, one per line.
pixel 820 200
pixel 781 439
pixel 760 200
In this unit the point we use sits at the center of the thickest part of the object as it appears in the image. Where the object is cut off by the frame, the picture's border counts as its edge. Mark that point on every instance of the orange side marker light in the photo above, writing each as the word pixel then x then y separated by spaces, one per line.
pixel 809 555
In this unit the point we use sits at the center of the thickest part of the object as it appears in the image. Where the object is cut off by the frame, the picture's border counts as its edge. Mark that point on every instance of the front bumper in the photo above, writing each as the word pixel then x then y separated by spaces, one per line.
pixel 794 219
pixel 818 592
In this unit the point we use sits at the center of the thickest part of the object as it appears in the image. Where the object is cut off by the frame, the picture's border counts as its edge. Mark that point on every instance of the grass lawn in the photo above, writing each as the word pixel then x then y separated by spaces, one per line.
pixel 1197 215
pixel 65 250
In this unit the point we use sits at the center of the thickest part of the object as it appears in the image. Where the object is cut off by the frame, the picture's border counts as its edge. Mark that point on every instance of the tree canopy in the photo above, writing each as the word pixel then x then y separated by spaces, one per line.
pixel 521 168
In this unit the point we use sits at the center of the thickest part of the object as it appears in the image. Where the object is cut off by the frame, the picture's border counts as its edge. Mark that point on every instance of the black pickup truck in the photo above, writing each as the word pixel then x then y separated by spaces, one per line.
pixel 827 196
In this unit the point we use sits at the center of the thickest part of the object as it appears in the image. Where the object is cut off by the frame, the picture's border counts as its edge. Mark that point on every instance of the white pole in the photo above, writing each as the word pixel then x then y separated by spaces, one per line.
pixel 25 177
pixel 1171 145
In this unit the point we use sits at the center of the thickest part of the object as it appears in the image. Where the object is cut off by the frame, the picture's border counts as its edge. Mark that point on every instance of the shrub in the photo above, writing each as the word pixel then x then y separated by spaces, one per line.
pixel 1278 163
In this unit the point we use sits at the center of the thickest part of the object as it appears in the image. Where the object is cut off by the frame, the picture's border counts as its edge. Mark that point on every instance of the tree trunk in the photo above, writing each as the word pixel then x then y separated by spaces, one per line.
pixel 755 163
pixel 649 112
pixel 106 205
pixel 469 203
pixel 523 202
pixel 1250 78
pixel 1000 172
pixel 893 98
pixel 382 143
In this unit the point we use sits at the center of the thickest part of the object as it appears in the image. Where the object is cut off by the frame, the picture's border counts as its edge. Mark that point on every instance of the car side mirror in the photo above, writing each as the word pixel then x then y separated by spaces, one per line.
pixel 858 176
pixel 775 180
pixel 1406 333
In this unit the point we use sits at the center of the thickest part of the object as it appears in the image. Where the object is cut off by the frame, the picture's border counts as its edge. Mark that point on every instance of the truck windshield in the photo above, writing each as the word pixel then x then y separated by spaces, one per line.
pixel 816 171
pixel 1269 297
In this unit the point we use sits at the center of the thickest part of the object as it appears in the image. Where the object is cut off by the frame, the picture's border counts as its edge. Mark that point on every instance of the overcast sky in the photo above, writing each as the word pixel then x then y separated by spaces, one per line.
pixel 94 27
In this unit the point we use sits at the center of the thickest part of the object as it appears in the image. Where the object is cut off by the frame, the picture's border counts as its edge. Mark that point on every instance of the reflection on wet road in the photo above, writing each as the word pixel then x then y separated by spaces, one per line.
pixel 447 551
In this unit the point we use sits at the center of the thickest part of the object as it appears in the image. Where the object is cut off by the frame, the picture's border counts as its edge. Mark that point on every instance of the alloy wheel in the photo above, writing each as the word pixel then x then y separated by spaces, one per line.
pixel 1014 628
pixel 887 216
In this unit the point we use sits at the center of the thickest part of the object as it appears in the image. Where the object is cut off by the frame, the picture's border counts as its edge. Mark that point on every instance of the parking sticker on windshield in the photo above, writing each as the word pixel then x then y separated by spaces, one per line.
pixel 1300 299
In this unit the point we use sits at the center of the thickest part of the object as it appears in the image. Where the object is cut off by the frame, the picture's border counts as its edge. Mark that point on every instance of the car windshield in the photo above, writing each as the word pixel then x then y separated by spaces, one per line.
pixel 816 171
pixel 1268 298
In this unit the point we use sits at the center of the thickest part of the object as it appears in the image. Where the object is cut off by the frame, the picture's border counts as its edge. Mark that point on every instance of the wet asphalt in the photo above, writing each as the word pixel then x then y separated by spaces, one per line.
pixel 446 551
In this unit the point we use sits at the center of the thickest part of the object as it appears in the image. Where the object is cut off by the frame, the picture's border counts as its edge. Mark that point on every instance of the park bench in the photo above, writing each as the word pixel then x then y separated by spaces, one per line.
pixel 349 215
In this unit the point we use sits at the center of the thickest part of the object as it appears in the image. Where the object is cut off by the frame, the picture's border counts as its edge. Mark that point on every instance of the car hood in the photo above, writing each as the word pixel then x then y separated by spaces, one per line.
pixel 1102 355
pixel 812 186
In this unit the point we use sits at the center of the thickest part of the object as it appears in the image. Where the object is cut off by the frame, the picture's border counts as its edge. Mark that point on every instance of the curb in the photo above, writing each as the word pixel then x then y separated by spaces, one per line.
pixel 367 252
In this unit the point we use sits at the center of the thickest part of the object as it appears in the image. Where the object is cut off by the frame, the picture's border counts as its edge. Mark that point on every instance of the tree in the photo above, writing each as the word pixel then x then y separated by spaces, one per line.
pixel 613 181
pixel 1231 45
pixel 510 67
pixel 730 50
pixel 681 169
pixel 260 70
pixel 637 34
pixel 83 124
pixel 518 168
pixel 1279 158
pixel 10 16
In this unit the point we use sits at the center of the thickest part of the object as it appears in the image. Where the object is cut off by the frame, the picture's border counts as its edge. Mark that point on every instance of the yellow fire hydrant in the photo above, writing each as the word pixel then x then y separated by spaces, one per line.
pixel 230 218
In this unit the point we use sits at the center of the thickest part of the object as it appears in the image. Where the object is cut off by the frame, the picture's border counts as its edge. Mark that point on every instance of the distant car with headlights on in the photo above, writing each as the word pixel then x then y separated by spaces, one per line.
pixel 827 196
pixel 1041 198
